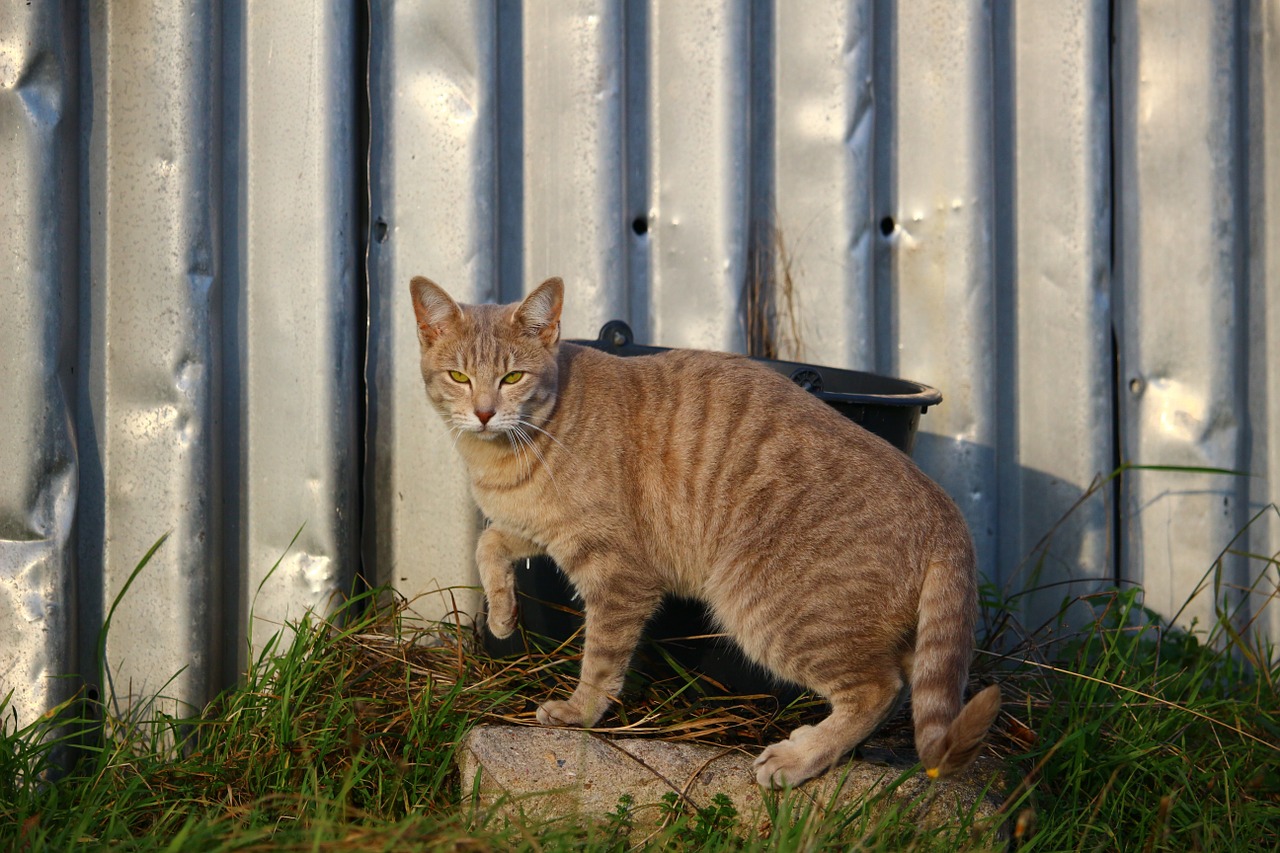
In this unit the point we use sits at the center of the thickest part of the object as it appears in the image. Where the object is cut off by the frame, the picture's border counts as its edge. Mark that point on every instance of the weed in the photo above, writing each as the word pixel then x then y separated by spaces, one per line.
pixel 1127 734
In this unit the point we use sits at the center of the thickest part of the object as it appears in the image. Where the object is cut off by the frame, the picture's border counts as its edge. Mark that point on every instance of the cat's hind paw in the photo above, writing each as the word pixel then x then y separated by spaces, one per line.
pixel 558 713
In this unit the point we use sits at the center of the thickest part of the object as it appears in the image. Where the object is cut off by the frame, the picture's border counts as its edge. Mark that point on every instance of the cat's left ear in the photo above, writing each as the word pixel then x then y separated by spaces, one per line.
pixel 539 314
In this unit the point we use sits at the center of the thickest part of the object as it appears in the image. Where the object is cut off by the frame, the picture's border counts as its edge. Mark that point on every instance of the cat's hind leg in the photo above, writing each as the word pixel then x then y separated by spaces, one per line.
pixel 616 614
pixel 856 711
pixel 496 550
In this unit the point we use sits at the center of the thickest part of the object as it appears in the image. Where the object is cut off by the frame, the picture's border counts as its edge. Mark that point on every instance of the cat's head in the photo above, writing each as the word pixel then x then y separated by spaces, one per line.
pixel 489 368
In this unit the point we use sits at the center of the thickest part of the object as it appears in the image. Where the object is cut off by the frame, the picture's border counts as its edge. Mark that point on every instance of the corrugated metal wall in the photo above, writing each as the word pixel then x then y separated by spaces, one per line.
pixel 1064 215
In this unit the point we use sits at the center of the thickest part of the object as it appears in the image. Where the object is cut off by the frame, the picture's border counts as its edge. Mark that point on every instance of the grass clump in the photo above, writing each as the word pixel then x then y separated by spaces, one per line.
pixel 319 745
pixel 1125 735
pixel 1150 738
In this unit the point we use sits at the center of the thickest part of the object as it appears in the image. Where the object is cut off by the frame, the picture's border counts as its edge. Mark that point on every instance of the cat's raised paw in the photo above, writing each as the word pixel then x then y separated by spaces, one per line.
pixel 502 615
pixel 558 713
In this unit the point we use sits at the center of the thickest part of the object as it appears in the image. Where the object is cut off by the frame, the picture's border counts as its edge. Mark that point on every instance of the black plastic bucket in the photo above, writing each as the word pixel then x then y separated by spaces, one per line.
pixel 683 630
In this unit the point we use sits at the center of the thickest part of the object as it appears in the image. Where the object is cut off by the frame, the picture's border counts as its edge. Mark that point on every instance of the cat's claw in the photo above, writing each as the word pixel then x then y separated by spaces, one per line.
pixel 558 713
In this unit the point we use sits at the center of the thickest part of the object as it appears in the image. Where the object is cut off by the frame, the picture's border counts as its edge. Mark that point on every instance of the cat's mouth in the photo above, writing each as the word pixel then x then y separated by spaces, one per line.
pixel 488 431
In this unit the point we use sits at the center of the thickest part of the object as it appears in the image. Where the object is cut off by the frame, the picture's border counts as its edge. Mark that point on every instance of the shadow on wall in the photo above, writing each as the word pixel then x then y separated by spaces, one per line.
pixel 1042 541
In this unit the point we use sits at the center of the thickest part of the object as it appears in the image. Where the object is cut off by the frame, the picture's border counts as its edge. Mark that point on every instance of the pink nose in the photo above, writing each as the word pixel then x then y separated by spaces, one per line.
pixel 484 416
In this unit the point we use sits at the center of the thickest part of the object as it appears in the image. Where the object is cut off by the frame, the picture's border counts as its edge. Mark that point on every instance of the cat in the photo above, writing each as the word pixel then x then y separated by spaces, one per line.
pixel 820 548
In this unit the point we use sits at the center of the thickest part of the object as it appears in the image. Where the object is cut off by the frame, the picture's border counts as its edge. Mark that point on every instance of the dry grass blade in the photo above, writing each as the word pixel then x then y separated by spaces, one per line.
pixel 1151 698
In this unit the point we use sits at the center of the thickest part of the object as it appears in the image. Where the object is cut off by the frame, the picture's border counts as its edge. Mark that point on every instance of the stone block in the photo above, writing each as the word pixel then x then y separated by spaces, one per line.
pixel 548 773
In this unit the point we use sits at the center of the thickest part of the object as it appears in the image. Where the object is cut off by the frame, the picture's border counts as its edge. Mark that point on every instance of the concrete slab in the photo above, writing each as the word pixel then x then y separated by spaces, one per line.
pixel 550 773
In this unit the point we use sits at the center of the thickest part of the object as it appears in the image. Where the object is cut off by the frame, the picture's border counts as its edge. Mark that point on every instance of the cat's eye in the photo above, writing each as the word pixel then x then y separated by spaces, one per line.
pixel 458 376
pixel 513 377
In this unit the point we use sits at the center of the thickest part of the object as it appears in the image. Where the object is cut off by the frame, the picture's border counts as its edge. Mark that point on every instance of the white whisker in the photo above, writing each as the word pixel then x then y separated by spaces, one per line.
pixel 517 445
pixel 457 432
pixel 533 448
pixel 544 432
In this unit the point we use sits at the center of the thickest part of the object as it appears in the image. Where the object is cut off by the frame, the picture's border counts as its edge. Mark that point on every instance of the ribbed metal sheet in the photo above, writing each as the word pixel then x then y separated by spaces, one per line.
pixel 823 165
pixel 697 134
pixel 1262 332
pixel 574 168
pixel 1180 314
pixel 1056 411
pixel 434 191
pixel 294 353
pixel 39 486
pixel 940 316
pixel 147 428
pixel 918 188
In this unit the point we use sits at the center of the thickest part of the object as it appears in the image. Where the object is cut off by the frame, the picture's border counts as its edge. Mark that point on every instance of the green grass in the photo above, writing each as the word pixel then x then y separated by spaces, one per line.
pixel 1126 735
pixel 1149 738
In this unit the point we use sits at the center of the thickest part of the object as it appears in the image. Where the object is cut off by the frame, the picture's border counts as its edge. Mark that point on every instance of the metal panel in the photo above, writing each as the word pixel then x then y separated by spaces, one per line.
pixel 434 213
pixel 298 398
pixel 574 172
pixel 937 173
pixel 825 225
pixel 147 439
pixel 698 147
pixel 1263 300
pixel 37 451
pixel 941 326
pixel 1180 325
pixel 1060 408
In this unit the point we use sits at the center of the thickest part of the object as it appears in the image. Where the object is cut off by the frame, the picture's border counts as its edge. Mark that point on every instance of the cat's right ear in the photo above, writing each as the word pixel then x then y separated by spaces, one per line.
pixel 434 308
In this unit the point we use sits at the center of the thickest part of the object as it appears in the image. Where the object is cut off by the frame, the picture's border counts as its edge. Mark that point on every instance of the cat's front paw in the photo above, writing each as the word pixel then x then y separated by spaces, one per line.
pixel 558 713
pixel 788 762
pixel 502 614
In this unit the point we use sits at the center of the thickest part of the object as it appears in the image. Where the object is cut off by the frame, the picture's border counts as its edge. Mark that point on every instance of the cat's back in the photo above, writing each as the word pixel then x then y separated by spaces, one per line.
pixel 721 452
pixel 712 401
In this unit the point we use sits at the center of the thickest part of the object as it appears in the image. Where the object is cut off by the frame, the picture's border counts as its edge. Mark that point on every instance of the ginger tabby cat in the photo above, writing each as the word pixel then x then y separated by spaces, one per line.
pixel 821 549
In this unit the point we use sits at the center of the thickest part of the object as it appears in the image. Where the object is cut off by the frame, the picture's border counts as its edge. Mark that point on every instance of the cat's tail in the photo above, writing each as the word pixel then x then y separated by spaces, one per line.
pixel 949 732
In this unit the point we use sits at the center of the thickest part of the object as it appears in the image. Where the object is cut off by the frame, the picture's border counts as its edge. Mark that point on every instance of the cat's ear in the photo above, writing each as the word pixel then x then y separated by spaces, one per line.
pixel 539 314
pixel 434 308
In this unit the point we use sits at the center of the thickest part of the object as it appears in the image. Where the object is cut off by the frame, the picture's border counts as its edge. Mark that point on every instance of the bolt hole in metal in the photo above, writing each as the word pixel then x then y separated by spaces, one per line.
pixel 640 225
pixel 380 230
pixel 887 226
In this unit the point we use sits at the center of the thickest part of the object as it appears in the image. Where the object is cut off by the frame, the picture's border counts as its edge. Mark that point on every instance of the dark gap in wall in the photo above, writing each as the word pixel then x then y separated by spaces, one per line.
pixel 884 196
pixel 377 80
pixel 362 200
pixel 1117 448
pixel 1117 492
pixel 90 518
pixel 1235 568
pixel 1243 177
pixel 73 224
pixel 1009 472
pixel 508 236
pixel 760 297
pixel 635 140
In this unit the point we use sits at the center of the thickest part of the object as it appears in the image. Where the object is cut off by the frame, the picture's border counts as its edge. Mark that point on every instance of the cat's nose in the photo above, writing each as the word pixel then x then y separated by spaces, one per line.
pixel 484 415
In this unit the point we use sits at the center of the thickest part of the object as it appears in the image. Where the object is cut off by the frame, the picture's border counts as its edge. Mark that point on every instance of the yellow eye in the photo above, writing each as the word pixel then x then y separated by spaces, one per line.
pixel 458 376
pixel 513 377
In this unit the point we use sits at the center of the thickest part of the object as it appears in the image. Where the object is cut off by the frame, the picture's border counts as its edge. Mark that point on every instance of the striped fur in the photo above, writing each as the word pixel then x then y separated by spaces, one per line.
pixel 831 559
